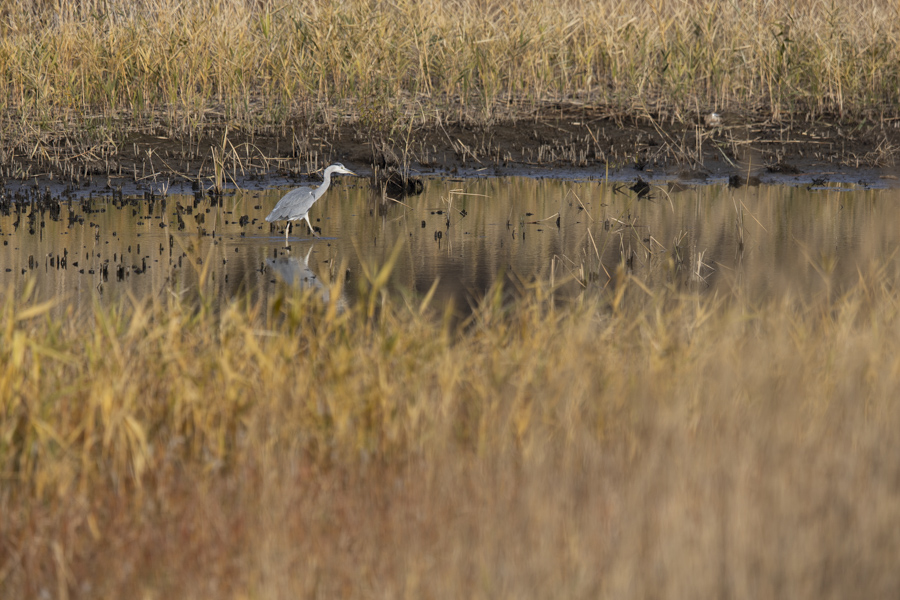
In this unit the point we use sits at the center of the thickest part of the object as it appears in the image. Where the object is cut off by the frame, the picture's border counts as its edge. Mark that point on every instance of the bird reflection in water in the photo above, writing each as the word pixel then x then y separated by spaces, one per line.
pixel 297 273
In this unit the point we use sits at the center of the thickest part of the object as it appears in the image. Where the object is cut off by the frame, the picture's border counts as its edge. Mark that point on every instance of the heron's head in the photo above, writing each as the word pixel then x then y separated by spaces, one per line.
pixel 341 169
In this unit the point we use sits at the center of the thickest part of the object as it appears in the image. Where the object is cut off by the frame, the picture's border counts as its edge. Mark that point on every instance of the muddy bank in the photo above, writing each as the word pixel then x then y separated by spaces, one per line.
pixel 567 141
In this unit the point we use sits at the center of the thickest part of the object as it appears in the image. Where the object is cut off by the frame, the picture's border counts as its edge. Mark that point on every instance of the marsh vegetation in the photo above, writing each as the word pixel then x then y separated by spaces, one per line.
pixel 643 417
pixel 641 444
pixel 117 88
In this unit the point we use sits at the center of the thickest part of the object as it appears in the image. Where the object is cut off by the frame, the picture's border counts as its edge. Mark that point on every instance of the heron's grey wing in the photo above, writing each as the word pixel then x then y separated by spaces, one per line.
pixel 294 205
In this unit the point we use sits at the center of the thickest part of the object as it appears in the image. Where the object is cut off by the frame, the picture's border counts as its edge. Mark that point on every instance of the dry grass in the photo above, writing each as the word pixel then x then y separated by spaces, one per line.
pixel 179 67
pixel 636 446
pixel 628 446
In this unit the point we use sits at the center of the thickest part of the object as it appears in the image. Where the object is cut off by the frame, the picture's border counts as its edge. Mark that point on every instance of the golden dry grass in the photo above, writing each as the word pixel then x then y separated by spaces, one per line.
pixel 619 447
pixel 181 66
pixel 637 446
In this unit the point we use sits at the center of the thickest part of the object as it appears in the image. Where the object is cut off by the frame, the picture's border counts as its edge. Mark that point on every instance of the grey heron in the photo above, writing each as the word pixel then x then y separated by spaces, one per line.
pixel 295 205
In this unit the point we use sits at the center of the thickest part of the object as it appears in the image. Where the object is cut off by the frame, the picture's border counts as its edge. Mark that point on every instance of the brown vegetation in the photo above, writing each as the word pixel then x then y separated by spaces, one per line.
pixel 634 444
pixel 91 87
pixel 629 447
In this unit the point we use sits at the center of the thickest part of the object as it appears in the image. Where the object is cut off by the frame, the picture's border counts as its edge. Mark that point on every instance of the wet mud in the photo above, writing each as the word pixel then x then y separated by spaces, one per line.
pixel 563 141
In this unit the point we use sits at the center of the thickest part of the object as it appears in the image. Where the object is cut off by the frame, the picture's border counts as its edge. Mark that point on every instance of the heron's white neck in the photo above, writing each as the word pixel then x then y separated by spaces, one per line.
pixel 326 177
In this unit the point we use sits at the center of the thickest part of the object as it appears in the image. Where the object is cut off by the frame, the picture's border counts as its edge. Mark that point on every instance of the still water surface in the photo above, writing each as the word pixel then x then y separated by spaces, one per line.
pixel 572 235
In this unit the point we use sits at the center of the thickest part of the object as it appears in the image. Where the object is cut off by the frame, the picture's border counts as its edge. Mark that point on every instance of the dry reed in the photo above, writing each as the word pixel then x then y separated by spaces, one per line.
pixel 636 446
pixel 179 67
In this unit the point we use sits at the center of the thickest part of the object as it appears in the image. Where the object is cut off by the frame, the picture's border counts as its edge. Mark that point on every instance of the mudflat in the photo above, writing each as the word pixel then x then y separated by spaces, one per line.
pixel 560 141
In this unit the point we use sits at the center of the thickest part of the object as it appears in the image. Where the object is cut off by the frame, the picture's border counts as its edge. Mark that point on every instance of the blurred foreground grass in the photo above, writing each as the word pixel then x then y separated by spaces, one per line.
pixel 624 447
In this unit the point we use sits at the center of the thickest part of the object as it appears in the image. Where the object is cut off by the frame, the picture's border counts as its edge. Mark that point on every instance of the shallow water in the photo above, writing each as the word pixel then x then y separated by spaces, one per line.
pixel 572 235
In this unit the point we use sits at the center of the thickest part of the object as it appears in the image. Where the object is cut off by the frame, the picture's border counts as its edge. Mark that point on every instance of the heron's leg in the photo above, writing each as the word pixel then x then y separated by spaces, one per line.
pixel 287 228
pixel 312 229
